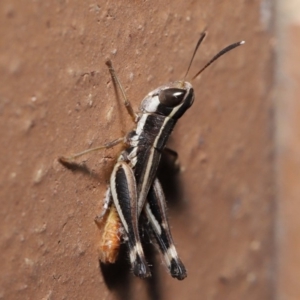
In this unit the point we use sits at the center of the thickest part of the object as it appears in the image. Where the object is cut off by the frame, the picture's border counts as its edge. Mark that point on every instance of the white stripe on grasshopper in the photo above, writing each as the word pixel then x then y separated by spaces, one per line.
pixel 140 125
pixel 170 254
pixel 115 195
pixel 151 103
pixel 154 222
pixel 133 161
pixel 143 193
pixel 136 250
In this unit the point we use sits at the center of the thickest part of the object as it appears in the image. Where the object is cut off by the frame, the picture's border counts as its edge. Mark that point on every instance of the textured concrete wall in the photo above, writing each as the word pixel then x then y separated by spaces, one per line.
pixel 56 97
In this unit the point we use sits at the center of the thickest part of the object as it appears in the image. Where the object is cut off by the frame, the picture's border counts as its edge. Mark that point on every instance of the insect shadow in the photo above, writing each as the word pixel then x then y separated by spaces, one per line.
pixel 169 175
pixel 118 276
pixel 79 168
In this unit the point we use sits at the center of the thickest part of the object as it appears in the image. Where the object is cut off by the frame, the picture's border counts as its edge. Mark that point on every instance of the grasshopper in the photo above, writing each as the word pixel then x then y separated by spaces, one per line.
pixel 134 189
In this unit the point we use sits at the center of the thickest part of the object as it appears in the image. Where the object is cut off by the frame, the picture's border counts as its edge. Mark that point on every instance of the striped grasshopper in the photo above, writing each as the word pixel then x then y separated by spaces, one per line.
pixel 134 189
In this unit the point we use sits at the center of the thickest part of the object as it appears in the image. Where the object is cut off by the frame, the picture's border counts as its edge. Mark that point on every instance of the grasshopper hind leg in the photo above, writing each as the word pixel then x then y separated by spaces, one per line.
pixel 124 194
pixel 106 203
pixel 155 210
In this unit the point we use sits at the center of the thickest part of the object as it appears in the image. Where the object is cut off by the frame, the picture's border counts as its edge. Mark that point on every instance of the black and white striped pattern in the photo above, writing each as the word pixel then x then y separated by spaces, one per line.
pixel 134 188
pixel 134 175
pixel 155 210
pixel 124 194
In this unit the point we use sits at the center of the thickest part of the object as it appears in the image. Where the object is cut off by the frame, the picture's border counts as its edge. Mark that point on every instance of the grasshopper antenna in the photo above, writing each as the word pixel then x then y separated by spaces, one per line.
pixel 222 52
pixel 202 36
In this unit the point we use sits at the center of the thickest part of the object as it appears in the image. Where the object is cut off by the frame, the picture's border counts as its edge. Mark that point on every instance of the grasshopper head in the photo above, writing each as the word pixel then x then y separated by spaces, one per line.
pixel 171 100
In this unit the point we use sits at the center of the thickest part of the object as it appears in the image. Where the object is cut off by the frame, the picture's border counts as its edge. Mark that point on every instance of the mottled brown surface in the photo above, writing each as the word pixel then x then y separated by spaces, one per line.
pixel 288 162
pixel 56 98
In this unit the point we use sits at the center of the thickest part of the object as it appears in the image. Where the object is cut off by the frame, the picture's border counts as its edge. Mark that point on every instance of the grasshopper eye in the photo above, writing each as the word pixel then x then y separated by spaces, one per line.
pixel 171 97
